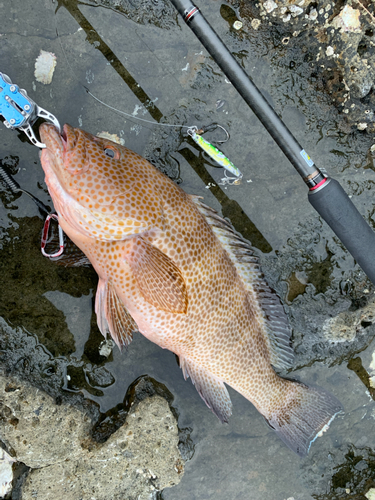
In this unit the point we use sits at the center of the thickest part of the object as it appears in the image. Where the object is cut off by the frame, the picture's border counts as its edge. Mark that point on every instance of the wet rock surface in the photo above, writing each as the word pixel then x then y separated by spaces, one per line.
pixel 351 474
pixel 160 13
pixel 54 440
pixel 142 388
pixel 337 40
pixel 48 331
pixel 36 429
pixel 332 315
pixel 27 282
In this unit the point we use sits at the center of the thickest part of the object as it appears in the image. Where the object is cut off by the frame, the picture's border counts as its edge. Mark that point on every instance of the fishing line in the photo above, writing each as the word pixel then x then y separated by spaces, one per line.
pixel 87 90
pixel 132 116
pixel 193 131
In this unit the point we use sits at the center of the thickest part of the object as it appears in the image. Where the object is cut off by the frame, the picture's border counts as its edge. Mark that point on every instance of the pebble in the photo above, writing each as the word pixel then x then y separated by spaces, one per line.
pixel 255 23
pixel 362 126
pixel 269 6
pixel 295 10
pixel 106 347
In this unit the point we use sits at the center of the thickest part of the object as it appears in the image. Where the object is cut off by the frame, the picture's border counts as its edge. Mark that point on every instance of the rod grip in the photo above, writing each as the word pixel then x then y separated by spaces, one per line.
pixel 337 209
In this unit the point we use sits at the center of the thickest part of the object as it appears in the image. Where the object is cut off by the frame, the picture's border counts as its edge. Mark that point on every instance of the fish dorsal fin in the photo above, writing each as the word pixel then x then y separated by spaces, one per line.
pixel 263 299
pixel 112 315
pixel 211 389
pixel 158 278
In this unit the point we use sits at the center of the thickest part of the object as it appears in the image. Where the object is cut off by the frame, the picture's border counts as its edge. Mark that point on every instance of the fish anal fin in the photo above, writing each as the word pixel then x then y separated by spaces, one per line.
pixel 158 278
pixel 210 388
pixel 112 315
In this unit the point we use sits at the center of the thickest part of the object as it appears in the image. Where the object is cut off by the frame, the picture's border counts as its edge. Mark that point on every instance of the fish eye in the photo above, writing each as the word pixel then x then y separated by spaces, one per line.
pixel 110 152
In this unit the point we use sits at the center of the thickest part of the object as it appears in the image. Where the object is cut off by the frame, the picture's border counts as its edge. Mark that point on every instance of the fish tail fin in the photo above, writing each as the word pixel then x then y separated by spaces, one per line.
pixel 303 415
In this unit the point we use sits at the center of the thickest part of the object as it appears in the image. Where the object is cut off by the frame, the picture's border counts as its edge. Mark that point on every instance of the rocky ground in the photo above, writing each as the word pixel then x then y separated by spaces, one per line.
pixel 336 38
pixel 55 371
pixel 56 453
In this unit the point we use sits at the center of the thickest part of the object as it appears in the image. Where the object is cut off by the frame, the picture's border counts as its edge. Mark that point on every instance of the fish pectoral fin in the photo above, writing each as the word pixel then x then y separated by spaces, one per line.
pixel 112 315
pixel 210 388
pixel 158 278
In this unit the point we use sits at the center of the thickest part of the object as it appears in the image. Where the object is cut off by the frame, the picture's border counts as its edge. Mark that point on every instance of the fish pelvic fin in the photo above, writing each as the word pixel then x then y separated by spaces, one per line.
pixel 158 278
pixel 112 315
pixel 303 416
pixel 263 300
pixel 211 389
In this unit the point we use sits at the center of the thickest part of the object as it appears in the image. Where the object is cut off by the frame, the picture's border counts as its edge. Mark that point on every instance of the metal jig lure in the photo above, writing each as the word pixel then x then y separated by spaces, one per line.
pixel 216 155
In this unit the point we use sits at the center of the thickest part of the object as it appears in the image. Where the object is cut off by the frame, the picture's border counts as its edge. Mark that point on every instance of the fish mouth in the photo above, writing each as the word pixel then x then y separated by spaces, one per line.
pixel 54 140
pixel 69 137
pixel 64 137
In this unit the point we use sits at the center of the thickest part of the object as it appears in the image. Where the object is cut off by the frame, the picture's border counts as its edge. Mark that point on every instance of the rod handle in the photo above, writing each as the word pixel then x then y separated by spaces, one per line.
pixel 336 208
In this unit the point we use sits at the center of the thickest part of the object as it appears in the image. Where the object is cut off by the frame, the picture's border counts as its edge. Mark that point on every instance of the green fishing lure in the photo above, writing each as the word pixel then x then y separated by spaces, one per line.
pixel 217 156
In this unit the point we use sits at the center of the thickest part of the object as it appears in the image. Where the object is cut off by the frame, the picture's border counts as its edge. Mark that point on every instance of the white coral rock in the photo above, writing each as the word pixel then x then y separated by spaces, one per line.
pixel 44 67
pixel 348 19
pixel 295 10
pixel 111 137
pixel 269 6
pixel 6 473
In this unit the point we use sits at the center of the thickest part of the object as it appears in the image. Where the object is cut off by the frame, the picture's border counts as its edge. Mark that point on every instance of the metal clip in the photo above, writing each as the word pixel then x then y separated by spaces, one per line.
pixel 45 237
pixel 20 111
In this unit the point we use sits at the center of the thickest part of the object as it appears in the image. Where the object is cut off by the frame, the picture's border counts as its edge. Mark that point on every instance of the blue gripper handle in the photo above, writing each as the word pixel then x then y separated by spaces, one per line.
pixel 15 107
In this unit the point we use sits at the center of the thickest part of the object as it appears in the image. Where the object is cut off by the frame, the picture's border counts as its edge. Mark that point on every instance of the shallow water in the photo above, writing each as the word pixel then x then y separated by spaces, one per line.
pixel 154 68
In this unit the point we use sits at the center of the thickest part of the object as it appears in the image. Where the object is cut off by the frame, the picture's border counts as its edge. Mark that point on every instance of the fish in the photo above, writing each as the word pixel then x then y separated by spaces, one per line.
pixel 171 268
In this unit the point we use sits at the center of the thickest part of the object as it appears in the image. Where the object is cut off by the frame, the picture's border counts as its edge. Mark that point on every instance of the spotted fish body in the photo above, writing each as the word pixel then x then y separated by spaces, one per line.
pixel 174 270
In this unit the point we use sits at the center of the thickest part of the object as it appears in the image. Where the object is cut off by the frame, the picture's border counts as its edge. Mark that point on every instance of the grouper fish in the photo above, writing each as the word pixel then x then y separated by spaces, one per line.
pixel 171 268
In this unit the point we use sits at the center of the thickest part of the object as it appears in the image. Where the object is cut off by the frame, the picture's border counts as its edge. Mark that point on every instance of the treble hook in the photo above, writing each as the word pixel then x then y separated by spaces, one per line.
pixel 226 180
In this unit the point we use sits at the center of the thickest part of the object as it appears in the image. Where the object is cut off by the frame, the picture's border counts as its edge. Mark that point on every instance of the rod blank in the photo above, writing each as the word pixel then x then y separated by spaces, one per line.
pixel 329 200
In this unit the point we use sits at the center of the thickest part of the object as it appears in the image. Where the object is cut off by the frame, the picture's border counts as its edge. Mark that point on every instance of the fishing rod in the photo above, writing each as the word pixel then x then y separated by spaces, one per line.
pixel 325 194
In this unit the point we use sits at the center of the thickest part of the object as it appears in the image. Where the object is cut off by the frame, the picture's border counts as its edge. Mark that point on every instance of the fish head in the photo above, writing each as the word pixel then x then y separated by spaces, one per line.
pixel 101 188
pixel 79 160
